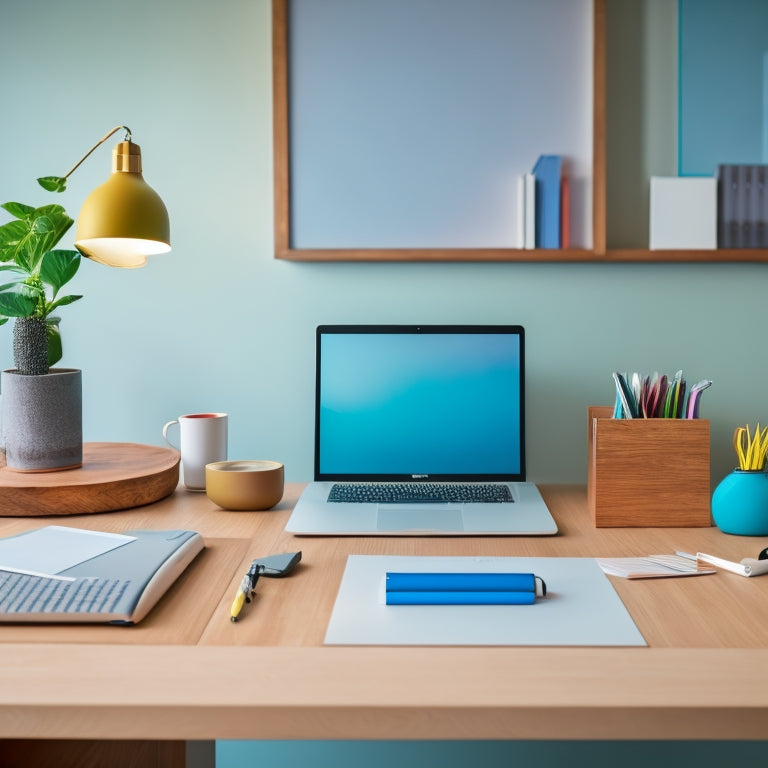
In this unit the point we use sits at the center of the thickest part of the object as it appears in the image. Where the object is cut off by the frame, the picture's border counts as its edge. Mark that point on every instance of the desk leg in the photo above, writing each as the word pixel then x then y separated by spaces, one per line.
pixel 22 753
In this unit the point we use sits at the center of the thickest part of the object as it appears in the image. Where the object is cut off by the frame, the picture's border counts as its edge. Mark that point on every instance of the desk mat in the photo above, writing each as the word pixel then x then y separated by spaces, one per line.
pixel 581 607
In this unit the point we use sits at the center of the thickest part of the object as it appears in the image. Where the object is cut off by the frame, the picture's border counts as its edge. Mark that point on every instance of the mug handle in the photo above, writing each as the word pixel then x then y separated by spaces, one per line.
pixel 165 433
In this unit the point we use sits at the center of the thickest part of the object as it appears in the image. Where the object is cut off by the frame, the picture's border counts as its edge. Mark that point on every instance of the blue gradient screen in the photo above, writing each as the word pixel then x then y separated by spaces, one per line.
pixel 420 403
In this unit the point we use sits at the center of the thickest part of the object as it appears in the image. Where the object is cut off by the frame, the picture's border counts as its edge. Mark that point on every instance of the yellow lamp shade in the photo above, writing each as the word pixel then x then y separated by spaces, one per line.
pixel 124 220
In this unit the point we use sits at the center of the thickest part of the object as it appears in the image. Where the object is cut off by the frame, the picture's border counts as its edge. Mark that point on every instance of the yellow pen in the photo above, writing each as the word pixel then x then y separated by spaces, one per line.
pixel 237 605
pixel 246 589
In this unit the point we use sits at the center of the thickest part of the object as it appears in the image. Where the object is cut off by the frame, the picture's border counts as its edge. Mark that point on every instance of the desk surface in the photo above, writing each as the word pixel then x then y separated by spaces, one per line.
pixel 187 672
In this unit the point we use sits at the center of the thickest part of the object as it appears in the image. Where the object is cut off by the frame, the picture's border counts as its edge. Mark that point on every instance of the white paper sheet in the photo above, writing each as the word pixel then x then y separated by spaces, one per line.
pixel 55 548
pixel 651 567
pixel 581 607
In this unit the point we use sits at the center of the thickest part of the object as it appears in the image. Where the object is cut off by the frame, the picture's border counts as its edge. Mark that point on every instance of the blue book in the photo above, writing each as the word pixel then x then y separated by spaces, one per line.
pixel 461 597
pixel 461 582
pixel 547 172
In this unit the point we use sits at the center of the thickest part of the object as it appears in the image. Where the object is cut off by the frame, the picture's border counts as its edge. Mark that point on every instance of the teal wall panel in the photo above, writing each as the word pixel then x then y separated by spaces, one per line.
pixel 489 754
pixel 723 50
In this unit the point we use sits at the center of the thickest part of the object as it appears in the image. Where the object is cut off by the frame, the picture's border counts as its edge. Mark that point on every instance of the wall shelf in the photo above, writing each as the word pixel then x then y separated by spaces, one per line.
pixel 438 254
pixel 601 251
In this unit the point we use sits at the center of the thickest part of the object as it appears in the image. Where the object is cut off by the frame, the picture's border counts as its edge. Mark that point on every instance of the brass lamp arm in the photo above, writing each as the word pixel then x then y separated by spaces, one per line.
pixel 123 220
pixel 96 146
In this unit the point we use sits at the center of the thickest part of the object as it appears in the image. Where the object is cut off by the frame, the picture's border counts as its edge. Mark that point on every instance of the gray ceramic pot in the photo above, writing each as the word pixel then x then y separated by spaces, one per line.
pixel 42 420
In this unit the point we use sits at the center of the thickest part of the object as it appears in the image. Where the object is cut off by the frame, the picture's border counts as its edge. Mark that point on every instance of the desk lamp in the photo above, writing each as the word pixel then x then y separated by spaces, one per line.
pixel 124 220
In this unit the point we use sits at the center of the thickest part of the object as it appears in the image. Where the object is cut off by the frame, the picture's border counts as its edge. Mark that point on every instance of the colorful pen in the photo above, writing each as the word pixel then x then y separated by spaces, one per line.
pixel 694 398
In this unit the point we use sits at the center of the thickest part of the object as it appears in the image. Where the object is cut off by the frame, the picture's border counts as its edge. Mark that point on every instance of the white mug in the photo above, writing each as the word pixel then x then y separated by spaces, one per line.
pixel 202 440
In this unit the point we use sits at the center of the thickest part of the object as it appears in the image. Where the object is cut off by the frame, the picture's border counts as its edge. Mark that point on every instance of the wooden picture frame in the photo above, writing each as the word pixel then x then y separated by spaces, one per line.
pixel 284 248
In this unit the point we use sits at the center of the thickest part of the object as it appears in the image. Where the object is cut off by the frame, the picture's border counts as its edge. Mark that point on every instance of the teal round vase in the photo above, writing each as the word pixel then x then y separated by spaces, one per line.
pixel 740 503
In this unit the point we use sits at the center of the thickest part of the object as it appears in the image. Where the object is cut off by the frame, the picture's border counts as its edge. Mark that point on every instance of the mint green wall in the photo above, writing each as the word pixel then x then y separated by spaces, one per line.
pixel 218 324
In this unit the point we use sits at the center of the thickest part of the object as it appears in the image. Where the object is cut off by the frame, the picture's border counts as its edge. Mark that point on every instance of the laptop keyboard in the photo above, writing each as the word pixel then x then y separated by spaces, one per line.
pixel 420 493
pixel 30 593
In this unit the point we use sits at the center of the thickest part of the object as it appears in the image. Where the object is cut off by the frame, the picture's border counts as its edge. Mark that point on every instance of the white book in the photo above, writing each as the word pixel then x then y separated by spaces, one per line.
pixel 683 213
pixel 530 210
pixel 520 213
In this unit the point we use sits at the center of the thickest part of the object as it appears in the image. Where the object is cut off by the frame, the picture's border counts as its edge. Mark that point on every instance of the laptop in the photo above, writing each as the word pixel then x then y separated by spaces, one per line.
pixel 419 430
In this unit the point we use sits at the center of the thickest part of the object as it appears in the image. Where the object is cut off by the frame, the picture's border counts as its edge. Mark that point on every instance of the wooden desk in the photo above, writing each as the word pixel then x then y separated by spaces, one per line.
pixel 187 672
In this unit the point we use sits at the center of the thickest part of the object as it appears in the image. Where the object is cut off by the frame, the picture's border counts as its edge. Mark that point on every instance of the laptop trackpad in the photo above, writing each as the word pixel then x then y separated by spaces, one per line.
pixel 412 517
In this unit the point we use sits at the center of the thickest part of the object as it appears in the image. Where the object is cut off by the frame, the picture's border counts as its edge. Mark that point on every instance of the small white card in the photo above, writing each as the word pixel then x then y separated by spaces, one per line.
pixel 55 548
pixel 651 567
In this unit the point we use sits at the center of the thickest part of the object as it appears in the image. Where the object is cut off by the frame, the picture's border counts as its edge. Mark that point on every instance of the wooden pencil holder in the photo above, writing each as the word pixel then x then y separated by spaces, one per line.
pixel 647 472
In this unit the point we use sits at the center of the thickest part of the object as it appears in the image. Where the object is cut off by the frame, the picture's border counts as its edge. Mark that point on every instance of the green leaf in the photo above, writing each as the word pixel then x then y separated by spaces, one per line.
pixel 18 243
pixel 64 300
pixel 19 210
pixel 12 235
pixel 54 341
pixel 3 320
pixel 42 225
pixel 53 183
pixel 52 210
pixel 12 268
pixel 59 267
pixel 14 231
pixel 14 304
pixel 58 223
pixel 25 256
pixel 27 239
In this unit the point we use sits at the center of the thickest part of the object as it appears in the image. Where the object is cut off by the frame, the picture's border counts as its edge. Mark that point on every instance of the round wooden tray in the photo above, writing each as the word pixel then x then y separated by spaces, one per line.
pixel 113 476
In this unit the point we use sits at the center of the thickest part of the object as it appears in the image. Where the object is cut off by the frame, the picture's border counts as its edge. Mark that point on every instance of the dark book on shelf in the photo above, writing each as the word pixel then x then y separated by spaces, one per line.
pixel 761 240
pixel 742 206
pixel 754 195
pixel 743 193
pixel 727 184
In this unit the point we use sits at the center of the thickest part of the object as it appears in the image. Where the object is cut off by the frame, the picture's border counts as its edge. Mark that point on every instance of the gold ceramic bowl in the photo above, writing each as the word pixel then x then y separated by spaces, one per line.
pixel 244 484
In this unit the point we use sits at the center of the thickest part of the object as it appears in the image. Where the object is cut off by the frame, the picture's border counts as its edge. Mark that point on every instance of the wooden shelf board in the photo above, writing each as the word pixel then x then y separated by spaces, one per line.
pixel 718 255
pixel 536 255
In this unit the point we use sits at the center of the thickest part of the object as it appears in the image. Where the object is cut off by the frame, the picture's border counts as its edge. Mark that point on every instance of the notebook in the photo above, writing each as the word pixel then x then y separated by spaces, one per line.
pixel 58 574
pixel 432 413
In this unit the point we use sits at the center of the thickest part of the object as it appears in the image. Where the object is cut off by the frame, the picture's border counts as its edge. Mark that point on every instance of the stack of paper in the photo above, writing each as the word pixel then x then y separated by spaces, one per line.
pixel 651 567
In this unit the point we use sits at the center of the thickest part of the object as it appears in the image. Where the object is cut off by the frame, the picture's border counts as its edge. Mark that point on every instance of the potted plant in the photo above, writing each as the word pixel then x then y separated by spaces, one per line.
pixel 41 405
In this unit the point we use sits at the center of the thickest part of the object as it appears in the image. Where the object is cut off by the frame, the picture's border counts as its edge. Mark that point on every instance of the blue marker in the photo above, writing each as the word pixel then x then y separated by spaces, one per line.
pixel 463 588
pixel 465 597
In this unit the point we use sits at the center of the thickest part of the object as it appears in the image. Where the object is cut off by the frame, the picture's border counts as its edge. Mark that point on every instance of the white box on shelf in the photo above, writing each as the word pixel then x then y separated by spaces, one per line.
pixel 683 213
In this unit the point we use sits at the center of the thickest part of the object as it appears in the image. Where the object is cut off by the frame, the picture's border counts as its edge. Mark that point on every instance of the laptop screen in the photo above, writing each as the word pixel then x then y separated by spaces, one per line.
pixel 416 402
